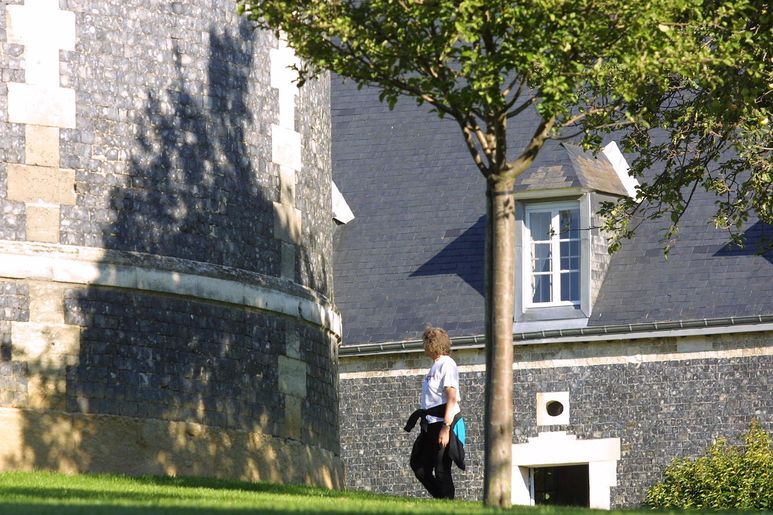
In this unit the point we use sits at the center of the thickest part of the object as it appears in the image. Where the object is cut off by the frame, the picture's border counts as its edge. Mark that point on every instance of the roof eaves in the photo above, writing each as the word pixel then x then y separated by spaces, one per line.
pixel 706 326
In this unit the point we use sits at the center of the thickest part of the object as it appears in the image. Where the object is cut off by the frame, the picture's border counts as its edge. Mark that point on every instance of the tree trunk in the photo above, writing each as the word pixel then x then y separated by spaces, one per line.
pixel 499 273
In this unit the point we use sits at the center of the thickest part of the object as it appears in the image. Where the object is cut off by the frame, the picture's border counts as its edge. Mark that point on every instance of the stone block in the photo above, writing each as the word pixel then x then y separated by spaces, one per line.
pixel 41 23
pixel 292 377
pixel 41 146
pixel 45 346
pixel 41 105
pixel 41 65
pixel 286 147
pixel 292 417
pixel 46 390
pixel 43 223
pixel 46 303
pixel 288 261
pixel 282 74
pixel 41 184
pixel 286 186
pixel 293 345
pixel 287 223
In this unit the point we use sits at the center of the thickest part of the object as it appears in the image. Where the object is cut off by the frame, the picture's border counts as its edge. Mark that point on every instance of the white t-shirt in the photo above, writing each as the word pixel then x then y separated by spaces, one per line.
pixel 443 374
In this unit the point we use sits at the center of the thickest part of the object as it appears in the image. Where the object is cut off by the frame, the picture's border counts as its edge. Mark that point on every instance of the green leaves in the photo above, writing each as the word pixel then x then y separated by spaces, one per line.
pixel 726 477
pixel 689 81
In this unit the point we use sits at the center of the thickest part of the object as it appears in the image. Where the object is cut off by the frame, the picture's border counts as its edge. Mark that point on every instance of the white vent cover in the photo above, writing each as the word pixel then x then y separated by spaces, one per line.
pixel 552 408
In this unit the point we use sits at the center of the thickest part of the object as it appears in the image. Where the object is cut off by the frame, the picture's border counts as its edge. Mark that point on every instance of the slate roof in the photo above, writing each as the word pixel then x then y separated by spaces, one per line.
pixel 571 167
pixel 413 255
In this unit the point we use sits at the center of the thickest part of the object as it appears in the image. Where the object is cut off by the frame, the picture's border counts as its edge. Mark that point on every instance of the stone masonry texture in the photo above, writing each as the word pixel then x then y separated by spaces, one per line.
pixel 172 147
pixel 14 307
pixel 171 153
pixel 659 410
pixel 170 359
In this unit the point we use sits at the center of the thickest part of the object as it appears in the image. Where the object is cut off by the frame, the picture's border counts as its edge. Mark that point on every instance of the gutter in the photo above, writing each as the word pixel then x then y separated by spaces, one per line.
pixel 699 327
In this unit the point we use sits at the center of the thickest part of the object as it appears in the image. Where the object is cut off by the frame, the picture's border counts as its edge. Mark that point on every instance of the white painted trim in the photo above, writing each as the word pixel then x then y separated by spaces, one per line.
pixel 559 448
pixel 550 325
pixel 90 266
pixel 643 335
pixel 620 166
pixel 629 359
pixel 546 194
pixel 526 275
pixel 341 210
pixel 586 255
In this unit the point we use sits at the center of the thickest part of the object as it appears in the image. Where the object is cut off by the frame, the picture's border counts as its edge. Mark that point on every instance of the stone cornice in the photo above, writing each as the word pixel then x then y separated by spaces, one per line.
pixel 88 266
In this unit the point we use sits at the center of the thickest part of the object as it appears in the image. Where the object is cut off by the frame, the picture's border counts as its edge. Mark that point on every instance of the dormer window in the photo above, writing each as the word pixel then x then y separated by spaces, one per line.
pixel 553 236
pixel 561 254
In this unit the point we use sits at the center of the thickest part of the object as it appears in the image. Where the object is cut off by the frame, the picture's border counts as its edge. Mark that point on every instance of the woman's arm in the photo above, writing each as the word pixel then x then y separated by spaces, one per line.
pixel 448 418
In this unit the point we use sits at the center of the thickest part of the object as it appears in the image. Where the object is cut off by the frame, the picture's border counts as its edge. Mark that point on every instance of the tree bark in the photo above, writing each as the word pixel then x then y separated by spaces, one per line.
pixel 499 282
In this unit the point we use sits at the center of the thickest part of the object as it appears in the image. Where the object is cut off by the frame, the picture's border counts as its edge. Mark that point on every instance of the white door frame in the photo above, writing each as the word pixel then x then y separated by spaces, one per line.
pixel 558 449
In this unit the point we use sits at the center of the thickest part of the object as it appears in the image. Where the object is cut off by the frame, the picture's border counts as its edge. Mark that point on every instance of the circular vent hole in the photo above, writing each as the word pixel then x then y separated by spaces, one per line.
pixel 554 408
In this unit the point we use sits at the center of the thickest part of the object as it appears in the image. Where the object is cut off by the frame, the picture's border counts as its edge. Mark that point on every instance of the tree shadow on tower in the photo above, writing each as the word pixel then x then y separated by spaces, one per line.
pixel 165 381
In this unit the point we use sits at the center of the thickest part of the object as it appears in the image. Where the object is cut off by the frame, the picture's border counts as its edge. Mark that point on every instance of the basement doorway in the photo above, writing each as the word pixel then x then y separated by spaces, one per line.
pixel 566 485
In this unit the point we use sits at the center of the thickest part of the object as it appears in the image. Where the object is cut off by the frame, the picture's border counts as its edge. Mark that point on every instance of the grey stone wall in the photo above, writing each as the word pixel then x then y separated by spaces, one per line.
pixel 14 307
pixel 314 263
pixel 600 257
pixel 11 147
pixel 172 157
pixel 168 159
pixel 170 359
pixel 660 410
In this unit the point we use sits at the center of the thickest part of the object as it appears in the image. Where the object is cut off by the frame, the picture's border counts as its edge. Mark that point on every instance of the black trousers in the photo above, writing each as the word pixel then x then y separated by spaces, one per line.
pixel 431 463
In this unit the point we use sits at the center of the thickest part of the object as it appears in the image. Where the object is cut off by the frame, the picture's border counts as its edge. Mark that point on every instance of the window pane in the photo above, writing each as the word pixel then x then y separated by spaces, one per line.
pixel 541 288
pixel 541 259
pixel 569 223
pixel 539 224
pixel 570 255
pixel 570 249
pixel 570 286
pixel 570 263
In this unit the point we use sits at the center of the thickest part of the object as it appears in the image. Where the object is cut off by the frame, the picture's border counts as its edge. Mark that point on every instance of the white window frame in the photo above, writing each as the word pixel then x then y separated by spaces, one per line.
pixel 553 208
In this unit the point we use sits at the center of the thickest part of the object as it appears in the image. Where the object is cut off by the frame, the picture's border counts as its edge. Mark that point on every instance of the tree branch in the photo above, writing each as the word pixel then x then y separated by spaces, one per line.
pixel 517 166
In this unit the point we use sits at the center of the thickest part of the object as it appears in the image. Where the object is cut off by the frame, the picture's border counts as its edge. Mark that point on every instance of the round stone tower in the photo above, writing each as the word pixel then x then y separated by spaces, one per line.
pixel 165 246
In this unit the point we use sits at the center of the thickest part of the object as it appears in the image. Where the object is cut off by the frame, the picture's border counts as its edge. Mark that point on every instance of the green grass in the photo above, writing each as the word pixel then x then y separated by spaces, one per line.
pixel 44 493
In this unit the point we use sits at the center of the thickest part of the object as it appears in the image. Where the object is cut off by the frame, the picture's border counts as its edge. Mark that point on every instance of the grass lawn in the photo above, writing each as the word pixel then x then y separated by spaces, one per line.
pixel 43 493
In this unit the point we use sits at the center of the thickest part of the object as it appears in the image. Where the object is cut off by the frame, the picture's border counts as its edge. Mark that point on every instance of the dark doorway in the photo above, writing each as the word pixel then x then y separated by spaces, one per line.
pixel 562 486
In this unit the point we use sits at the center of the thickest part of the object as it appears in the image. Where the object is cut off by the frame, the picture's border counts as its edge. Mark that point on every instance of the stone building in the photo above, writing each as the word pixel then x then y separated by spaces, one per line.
pixel 165 243
pixel 622 363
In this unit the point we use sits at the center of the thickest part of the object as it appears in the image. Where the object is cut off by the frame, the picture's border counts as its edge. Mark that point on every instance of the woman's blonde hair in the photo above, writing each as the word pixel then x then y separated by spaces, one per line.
pixel 436 341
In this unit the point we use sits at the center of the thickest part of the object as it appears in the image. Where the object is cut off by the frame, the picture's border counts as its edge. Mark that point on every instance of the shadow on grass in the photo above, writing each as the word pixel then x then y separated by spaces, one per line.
pixel 259 487
pixel 95 495
pixel 107 509
pixel 225 484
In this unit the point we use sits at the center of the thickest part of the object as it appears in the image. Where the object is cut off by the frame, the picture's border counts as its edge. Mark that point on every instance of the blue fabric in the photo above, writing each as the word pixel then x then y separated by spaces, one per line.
pixel 460 431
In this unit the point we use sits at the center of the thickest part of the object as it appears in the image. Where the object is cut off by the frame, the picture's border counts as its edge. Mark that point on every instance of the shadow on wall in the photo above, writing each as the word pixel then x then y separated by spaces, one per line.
pixel 464 256
pixel 758 240
pixel 163 384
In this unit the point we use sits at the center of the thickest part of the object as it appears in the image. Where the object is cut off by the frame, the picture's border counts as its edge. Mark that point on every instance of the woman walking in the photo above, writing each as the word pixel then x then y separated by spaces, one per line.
pixel 439 406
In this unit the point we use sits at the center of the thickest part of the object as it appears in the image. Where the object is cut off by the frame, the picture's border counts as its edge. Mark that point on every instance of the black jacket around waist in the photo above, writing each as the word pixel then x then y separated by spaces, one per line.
pixel 455 448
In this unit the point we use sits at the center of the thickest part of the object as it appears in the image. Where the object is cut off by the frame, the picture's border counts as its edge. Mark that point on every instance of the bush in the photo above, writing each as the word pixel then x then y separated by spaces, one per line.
pixel 727 477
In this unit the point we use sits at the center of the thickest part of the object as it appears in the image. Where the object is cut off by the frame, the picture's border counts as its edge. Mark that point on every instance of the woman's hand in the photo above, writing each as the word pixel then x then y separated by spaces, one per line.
pixel 444 435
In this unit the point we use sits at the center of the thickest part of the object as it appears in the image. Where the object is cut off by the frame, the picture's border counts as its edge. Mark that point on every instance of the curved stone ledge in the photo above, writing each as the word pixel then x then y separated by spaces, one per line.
pixel 146 272
pixel 76 443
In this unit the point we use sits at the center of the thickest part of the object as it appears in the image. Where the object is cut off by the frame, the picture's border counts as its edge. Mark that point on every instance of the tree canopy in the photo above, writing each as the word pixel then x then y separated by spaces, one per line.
pixel 695 74
pixel 686 83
